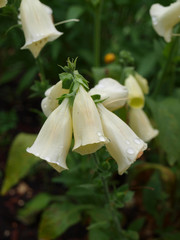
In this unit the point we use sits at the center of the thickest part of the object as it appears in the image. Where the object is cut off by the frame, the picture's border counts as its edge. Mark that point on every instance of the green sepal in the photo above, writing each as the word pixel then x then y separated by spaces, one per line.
pixel 66 79
pixel 71 66
pixel 69 95
pixel 80 79
pixel 96 97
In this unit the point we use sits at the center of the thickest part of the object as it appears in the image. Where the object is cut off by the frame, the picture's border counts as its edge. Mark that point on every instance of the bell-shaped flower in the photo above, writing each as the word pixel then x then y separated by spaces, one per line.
pixel 54 139
pixel 124 145
pixel 140 124
pixel 37 24
pixel 165 18
pixel 3 3
pixel 143 83
pixel 135 93
pixel 114 94
pixel 50 102
pixel 88 132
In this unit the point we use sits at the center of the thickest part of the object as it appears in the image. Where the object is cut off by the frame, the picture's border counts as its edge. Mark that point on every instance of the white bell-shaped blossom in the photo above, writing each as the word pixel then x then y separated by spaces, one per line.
pixel 124 145
pixel 165 18
pixel 141 125
pixel 3 3
pixel 88 132
pixel 50 102
pixel 37 24
pixel 112 91
pixel 54 139
pixel 135 93
pixel 143 83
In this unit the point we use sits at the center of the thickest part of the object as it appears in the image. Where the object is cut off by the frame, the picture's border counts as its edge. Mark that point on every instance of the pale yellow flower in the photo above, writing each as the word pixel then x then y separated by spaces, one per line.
pixel 88 132
pixel 143 83
pixel 112 92
pixel 50 102
pixel 124 145
pixel 135 93
pixel 37 24
pixel 3 3
pixel 54 139
pixel 141 125
pixel 165 18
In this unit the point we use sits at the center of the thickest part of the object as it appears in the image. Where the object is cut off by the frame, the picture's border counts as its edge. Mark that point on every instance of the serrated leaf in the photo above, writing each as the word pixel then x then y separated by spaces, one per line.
pixel 33 207
pixel 57 219
pixel 166 114
pixel 80 79
pixel 19 161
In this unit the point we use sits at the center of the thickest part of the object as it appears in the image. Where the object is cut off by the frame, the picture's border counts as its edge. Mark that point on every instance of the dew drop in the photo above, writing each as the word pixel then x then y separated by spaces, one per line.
pixel 101 138
pixel 130 151
pixel 37 154
pixel 137 140
pixel 99 134
pixel 128 142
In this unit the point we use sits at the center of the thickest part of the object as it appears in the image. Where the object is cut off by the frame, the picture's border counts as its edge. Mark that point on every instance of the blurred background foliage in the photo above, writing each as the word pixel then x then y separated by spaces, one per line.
pixel 37 202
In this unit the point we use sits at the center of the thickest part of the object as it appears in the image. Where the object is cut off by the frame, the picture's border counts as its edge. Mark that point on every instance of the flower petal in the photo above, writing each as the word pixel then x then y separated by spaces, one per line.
pixel 54 139
pixel 124 146
pixel 141 125
pixel 88 133
pixel 112 91
pixel 135 96
pixel 37 24
pixel 3 3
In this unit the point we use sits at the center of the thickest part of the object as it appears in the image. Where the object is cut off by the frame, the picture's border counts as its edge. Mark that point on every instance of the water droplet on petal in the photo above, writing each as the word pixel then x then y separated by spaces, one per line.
pixel 101 138
pixel 130 151
pixel 37 154
pixel 137 140
pixel 99 134
pixel 128 142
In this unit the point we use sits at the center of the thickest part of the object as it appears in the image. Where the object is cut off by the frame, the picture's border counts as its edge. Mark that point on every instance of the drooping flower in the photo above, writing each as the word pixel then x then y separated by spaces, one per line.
pixel 135 93
pixel 54 139
pixel 165 18
pixel 141 125
pixel 3 3
pixel 124 145
pixel 37 24
pixel 50 102
pixel 112 92
pixel 88 132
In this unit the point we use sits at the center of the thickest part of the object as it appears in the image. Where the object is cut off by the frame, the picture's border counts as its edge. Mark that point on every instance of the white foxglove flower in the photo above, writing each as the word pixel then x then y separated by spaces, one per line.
pixel 112 91
pixel 141 125
pixel 135 94
pixel 37 24
pixel 88 133
pixel 124 145
pixel 143 83
pixel 165 18
pixel 3 3
pixel 50 102
pixel 54 139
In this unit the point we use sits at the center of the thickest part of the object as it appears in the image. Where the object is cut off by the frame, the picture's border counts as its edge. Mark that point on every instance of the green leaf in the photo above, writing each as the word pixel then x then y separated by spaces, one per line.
pixel 57 219
pixel 166 114
pixel 33 207
pixel 80 79
pixel 96 97
pixel 19 161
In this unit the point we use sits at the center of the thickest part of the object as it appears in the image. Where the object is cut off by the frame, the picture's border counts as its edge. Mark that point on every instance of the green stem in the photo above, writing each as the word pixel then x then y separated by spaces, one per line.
pixel 97 33
pixel 166 68
pixel 108 198
pixel 41 69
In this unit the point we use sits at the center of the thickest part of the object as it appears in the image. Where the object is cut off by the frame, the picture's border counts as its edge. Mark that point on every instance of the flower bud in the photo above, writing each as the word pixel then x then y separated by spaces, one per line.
pixel 114 94
pixel 109 58
pixel 141 125
pixel 37 24
pixel 135 94
pixel 54 139
pixel 124 146
pixel 50 102
pixel 3 3
pixel 143 83
pixel 165 18
pixel 88 133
